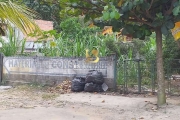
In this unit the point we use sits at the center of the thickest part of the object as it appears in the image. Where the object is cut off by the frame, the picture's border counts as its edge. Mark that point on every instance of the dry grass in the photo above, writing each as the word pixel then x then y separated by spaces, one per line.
pixel 49 96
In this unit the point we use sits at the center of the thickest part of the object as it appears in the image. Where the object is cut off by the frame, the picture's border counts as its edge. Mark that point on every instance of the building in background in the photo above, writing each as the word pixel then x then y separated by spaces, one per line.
pixel 31 42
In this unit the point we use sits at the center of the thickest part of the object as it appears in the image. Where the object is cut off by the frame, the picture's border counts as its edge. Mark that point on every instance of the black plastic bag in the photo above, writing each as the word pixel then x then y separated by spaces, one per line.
pixel 77 84
pixel 94 77
pixel 90 87
pixel 98 88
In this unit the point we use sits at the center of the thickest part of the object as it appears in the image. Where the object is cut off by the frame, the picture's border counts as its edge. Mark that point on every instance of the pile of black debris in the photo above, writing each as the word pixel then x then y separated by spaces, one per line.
pixel 92 82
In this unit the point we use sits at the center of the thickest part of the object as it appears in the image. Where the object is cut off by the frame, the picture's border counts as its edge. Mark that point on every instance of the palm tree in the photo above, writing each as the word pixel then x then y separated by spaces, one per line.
pixel 12 14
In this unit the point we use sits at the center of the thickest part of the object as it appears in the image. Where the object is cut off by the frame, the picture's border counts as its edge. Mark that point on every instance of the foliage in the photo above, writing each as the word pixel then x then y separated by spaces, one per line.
pixel 13 46
pixel 71 27
pixel 47 10
pixel 17 15
pixel 171 53
pixel 171 49
pixel 149 48
pixel 74 39
pixel 138 18
pixel 129 51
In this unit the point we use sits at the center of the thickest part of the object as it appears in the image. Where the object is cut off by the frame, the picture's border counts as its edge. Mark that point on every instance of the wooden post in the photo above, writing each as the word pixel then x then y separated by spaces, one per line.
pixel 1 67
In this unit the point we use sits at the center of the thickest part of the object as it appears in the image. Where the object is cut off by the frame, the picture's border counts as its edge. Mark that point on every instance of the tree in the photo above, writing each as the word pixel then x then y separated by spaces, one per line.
pixel 47 9
pixel 12 14
pixel 138 18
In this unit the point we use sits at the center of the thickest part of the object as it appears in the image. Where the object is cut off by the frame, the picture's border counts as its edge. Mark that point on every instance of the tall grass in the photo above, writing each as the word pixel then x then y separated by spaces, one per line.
pixel 13 46
pixel 66 46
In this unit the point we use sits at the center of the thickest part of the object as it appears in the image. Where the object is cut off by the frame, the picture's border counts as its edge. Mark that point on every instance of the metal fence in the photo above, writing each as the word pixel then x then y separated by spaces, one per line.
pixel 172 72
pixel 136 76
pixel 139 76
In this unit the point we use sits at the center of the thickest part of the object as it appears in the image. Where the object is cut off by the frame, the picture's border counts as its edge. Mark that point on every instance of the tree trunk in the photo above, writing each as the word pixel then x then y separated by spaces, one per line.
pixel 161 96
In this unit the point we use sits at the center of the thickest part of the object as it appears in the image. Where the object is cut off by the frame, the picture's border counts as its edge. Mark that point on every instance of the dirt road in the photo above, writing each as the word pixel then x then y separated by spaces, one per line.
pixel 25 103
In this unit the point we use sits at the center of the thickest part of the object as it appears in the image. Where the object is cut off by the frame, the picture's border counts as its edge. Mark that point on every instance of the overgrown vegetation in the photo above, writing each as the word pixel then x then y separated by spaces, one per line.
pixel 171 55
pixel 74 39
pixel 13 46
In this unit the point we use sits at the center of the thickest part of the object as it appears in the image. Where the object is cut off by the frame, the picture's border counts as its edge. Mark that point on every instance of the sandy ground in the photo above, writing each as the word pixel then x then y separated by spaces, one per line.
pixel 27 103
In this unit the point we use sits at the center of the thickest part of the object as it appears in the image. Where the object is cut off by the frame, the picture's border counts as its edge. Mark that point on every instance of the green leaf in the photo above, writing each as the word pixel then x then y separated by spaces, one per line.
pixel 105 7
pixel 124 31
pixel 106 15
pixel 139 34
pixel 164 30
pixel 167 17
pixel 125 9
pixel 134 2
pixel 170 24
pixel 74 4
pixel 113 7
pixel 148 32
pixel 175 4
pixel 142 38
pixel 176 11
pixel 145 5
pixel 135 27
pixel 125 15
pixel 160 15
pixel 129 28
pixel 141 1
pixel 87 17
pixel 165 1
pixel 112 14
pixel 117 15
pixel 116 25
pixel 126 3
pixel 156 23
pixel 130 5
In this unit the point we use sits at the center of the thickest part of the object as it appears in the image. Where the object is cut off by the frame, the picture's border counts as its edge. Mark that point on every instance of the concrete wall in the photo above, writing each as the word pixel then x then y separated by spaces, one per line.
pixel 53 71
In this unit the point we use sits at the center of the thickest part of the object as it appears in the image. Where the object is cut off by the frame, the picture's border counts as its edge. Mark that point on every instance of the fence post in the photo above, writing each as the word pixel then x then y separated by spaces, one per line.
pixel 125 77
pixel 139 77
pixel 115 72
pixel 1 67
pixel 153 76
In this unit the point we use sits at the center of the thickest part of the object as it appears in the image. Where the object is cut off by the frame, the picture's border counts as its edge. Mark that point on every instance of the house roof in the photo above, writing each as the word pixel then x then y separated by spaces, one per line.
pixel 43 25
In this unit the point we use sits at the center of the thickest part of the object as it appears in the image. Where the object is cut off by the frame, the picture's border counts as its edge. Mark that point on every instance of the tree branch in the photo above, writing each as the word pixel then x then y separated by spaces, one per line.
pixel 150 4
pixel 86 8
pixel 149 15
pixel 168 12
pixel 147 11
pixel 140 20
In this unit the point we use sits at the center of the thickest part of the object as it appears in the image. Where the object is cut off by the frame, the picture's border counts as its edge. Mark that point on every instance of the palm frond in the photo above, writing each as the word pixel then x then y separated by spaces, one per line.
pixel 19 16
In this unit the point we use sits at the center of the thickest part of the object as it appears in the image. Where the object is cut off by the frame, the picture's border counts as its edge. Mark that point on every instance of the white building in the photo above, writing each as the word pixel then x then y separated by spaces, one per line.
pixel 31 45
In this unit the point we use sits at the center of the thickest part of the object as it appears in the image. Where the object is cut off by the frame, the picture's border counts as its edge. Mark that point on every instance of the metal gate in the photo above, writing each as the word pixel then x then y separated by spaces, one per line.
pixel 136 75
pixel 172 71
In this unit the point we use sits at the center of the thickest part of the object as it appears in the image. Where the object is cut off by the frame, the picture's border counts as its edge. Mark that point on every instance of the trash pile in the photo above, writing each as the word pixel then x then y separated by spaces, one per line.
pixel 93 82
pixel 64 87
